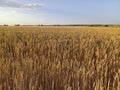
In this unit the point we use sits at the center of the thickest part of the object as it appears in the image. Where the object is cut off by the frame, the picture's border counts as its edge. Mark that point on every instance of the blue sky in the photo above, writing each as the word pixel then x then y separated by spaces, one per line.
pixel 59 12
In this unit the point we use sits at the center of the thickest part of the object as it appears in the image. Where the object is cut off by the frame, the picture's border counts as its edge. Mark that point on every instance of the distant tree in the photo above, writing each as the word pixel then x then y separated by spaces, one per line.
pixel 42 25
pixel 106 25
pixel 91 25
pixel 5 25
pixel 17 24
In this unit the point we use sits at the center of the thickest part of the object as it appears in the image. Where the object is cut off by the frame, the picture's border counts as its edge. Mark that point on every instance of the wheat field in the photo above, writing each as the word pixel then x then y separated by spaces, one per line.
pixel 59 58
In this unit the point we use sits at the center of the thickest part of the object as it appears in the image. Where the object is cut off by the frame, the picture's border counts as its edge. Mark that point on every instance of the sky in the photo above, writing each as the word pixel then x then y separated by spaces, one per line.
pixel 32 12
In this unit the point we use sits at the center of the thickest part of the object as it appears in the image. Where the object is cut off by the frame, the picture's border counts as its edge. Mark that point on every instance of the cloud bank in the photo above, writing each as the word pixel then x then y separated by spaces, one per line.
pixel 15 4
pixel 9 3
pixel 32 5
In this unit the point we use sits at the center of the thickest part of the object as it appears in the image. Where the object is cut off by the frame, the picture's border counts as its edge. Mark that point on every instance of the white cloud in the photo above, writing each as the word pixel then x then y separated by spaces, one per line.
pixel 11 17
pixel 9 3
pixel 32 5
pixel 15 4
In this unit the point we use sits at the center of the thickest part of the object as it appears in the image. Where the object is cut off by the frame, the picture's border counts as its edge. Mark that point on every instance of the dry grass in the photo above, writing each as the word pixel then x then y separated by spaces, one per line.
pixel 59 58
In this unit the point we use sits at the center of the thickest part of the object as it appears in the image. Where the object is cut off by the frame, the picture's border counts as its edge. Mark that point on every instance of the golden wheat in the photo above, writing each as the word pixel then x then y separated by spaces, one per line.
pixel 59 58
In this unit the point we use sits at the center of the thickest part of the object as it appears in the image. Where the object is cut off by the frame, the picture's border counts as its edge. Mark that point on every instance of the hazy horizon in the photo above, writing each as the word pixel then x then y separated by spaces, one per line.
pixel 35 12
